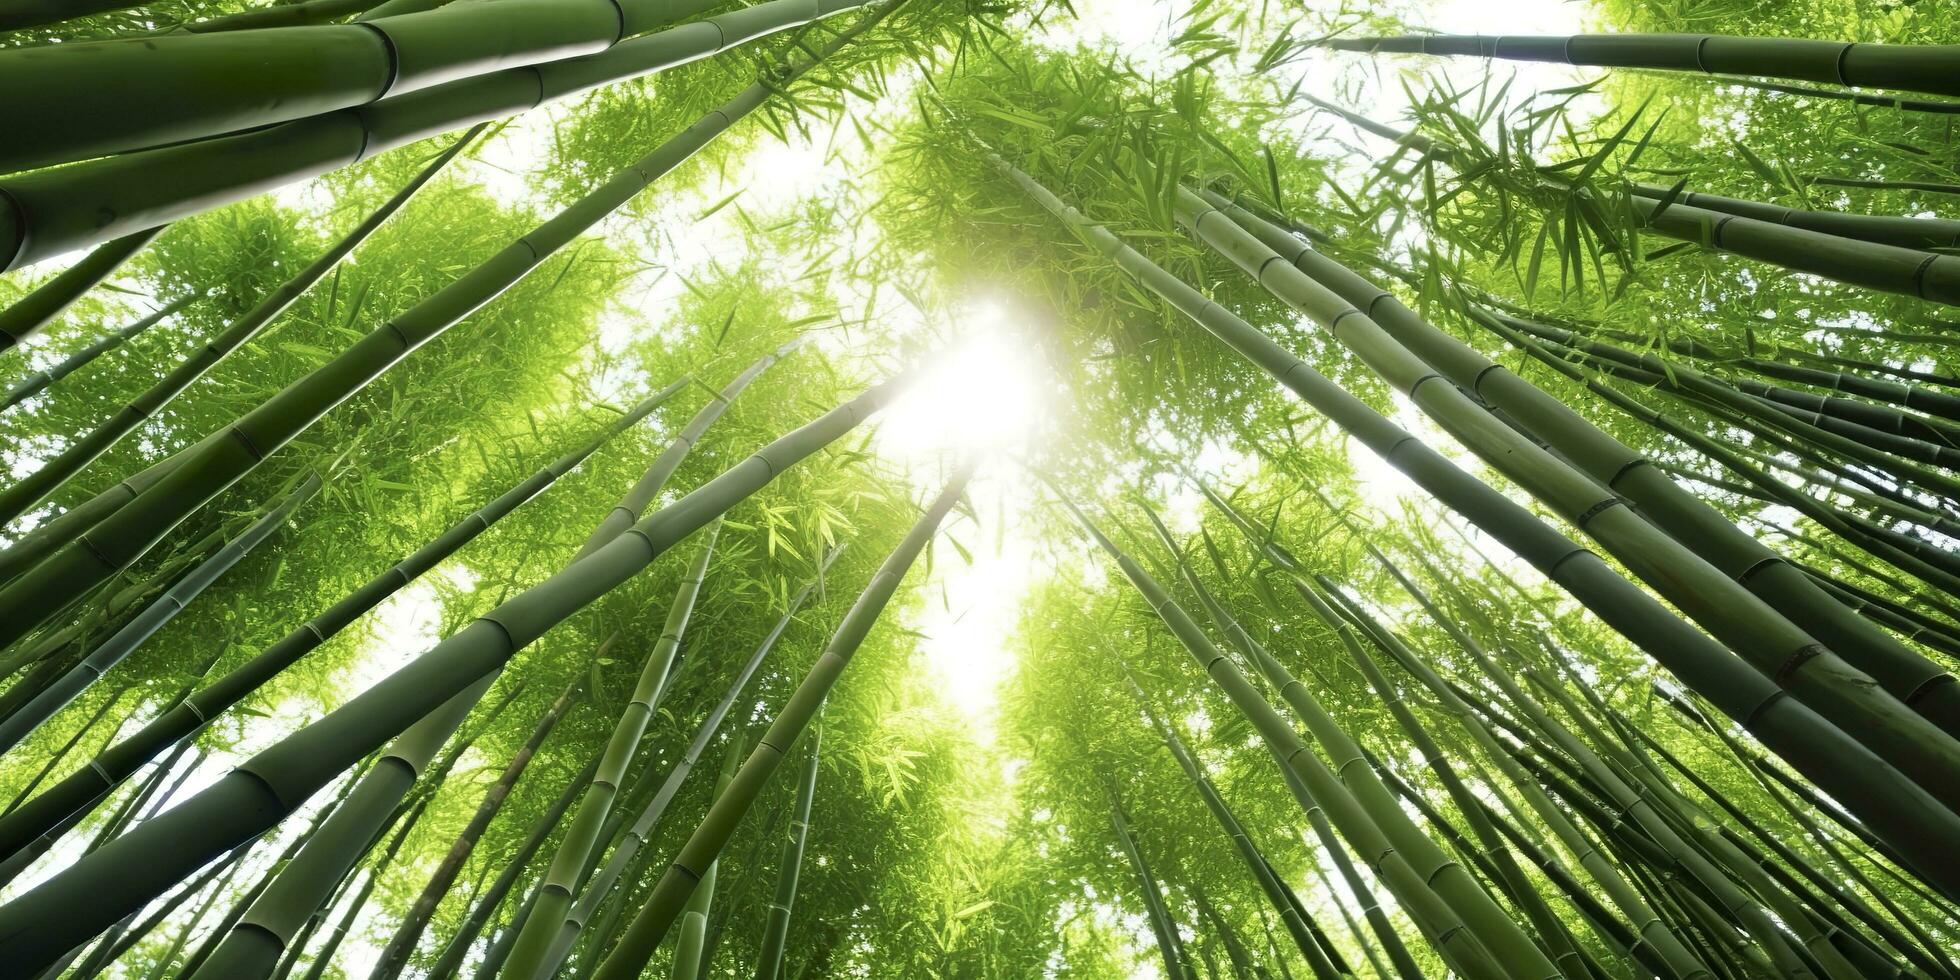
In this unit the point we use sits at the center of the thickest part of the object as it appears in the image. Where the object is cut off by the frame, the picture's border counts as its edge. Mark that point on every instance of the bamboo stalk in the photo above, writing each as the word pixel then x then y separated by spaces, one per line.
pixel 47 213
pixel 31 489
pixel 187 715
pixel 37 382
pixel 663 906
pixel 691 947
pixel 789 867
pixel 33 312
pixel 1930 68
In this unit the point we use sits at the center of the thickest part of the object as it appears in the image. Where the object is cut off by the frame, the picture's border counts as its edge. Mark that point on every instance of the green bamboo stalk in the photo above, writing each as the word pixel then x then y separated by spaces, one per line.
pixel 1409 867
pixel 356 900
pixel 1920 233
pixel 221 872
pixel 125 535
pixel 789 868
pixel 55 758
pixel 174 88
pixel 89 894
pixel 629 844
pixel 188 714
pixel 1318 957
pixel 465 936
pixel 46 538
pixel 660 909
pixel 1701 580
pixel 1899 103
pixel 1792 729
pixel 529 959
pixel 57 695
pixel 408 932
pixel 691 947
pixel 31 313
pixel 47 213
pixel 1930 187
pixel 253 948
pixel 305 13
pixel 1162 926
pixel 37 382
pixel 1929 68
pixel 31 489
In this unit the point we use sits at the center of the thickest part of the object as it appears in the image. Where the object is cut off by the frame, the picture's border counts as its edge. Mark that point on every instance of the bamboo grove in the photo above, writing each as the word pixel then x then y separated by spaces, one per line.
pixel 969 488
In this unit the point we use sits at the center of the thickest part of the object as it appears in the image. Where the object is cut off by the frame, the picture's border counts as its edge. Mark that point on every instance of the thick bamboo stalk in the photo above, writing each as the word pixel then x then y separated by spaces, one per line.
pixel 47 213
pixel 31 489
pixel 529 959
pixel 261 938
pixel 37 382
pixel 125 535
pixel 1930 68
pixel 48 537
pixel 111 651
pixel 691 947
pixel 408 932
pixel 1742 591
pixel 181 719
pixel 33 312
pixel 660 909
pixel 789 867
pixel 628 845
pixel 95 98
pixel 88 895
pixel 304 13
pixel 1792 729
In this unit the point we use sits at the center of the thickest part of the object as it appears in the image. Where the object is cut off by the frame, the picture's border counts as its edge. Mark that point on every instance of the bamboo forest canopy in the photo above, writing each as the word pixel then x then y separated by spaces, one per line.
pixel 1212 490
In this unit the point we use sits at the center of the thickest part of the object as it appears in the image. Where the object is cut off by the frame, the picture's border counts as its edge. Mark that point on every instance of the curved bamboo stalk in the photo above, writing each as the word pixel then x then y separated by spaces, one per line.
pixel 47 213
pixel 660 909
pixel 125 535
pixel 57 695
pixel 37 382
pixel 31 489
pixel 1790 728
pixel 1930 68
pixel 31 313
pixel 190 713
pixel 90 894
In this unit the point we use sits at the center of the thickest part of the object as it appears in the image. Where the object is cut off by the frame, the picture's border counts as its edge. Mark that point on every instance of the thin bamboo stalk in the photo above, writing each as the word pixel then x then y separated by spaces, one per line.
pixel 33 312
pixel 38 382
pixel 789 867
pixel 1162 926
pixel 187 715
pixel 31 489
pixel 661 908
pixel 64 689
pixel 1929 68
pixel 691 946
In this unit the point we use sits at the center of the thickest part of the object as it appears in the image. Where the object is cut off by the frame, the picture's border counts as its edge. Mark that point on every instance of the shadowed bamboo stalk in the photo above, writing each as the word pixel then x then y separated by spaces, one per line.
pixel 29 314
pixel 55 758
pixel 31 489
pixel 529 959
pixel 691 947
pixel 408 932
pixel 49 212
pixel 1749 596
pixel 628 845
pixel 1930 68
pixel 188 714
pixel 789 867
pixel 125 535
pixel 1886 229
pixel 90 894
pixel 111 651
pixel 37 382
pixel 661 908
pixel 1915 822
